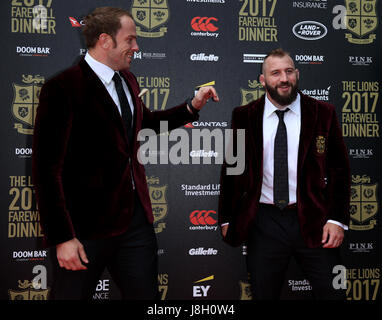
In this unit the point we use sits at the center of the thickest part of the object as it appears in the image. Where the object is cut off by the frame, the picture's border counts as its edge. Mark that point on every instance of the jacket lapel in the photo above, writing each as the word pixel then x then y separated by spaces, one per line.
pixel 255 118
pixel 254 153
pixel 308 124
pixel 134 91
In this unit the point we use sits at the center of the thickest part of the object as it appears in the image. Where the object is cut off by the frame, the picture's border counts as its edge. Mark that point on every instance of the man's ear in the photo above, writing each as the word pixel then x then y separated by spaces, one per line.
pixel 262 80
pixel 104 40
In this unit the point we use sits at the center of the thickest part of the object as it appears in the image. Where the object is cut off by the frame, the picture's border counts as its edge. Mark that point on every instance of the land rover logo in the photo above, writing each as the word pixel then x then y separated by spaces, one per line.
pixel 309 30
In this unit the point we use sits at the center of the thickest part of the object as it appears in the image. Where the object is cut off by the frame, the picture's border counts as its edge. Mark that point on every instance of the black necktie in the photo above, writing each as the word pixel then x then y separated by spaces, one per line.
pixel 125 107
pixel 280 175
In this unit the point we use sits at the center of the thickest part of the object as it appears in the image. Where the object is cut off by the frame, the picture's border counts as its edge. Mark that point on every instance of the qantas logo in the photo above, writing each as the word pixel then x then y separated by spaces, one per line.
pixel 75 23
pixel 215 124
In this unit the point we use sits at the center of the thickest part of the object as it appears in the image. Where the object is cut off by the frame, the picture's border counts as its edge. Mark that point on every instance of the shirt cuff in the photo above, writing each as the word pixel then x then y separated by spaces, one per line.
pixel 343 226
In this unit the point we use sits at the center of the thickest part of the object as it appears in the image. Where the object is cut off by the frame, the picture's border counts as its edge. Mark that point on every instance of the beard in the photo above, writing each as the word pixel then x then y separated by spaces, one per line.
pixel 283 100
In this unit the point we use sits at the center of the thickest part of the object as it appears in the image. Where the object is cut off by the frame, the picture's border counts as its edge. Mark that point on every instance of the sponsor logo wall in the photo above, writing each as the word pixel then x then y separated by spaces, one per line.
pixel 183 45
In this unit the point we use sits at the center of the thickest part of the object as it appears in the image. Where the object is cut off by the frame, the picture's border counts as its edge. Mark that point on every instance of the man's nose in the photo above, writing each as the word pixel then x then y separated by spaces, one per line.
pixel 135 47
pixel 283 77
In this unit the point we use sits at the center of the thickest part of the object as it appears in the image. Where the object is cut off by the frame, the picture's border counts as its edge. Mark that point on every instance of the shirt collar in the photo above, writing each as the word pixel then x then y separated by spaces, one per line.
pixel 104 72
pixel 295 106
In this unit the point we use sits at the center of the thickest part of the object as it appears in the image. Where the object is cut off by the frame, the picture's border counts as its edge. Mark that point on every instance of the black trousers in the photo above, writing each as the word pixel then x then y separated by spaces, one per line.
pixel 130 258
pixel 274 238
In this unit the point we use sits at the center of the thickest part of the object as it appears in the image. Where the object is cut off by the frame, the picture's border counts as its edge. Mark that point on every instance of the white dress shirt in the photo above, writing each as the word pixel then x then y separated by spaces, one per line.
pixel 292 120
pixel 105 74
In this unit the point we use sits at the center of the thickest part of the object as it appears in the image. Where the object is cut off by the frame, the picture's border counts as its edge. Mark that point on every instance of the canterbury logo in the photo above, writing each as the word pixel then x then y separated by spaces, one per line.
pixel 203 24
pixel 202 217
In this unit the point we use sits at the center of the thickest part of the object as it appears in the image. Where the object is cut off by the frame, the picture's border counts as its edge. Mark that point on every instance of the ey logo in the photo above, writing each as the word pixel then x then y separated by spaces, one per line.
pixel 199 290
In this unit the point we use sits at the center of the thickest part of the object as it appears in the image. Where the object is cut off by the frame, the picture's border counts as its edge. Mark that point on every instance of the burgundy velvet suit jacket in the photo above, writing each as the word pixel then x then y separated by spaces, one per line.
pixel 323 172
pixel 81 161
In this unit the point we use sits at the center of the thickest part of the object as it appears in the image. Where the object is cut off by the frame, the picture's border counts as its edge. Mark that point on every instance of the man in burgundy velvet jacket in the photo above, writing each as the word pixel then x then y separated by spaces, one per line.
pixel 91 190
pixel 311 226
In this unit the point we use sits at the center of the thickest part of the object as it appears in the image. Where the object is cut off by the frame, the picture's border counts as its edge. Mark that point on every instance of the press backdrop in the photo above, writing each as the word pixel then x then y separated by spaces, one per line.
pixel 184 44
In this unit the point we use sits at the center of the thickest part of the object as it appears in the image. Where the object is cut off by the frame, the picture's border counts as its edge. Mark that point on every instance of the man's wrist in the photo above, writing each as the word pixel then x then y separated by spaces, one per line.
pixel 191 107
